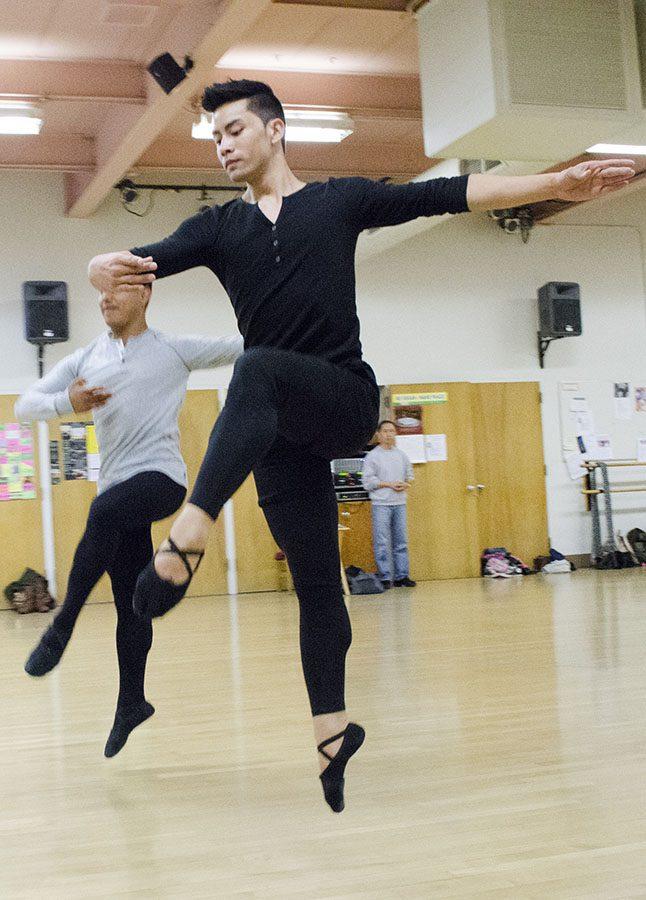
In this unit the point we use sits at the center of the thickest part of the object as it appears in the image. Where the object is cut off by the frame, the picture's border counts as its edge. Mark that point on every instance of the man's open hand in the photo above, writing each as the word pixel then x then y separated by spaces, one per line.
pixel 593 178
pixel 84 398
pixel 120 271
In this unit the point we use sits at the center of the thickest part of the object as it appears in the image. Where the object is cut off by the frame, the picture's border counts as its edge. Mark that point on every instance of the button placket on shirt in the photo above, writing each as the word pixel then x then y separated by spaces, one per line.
pixel 275 242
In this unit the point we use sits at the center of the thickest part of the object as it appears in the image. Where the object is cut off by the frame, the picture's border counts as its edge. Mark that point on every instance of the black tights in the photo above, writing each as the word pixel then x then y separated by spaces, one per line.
pixel 117 540
pixel 286 416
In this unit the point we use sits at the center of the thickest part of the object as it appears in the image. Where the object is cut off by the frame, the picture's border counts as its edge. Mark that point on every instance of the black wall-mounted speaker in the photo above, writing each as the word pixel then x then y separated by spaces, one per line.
pixel 166 72
pixel 45 307
pixel 559 309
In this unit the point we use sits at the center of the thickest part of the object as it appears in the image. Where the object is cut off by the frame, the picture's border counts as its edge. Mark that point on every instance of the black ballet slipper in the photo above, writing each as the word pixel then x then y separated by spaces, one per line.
pixel 47 653
pixel 154 596
pixel 332 778
pixel 125 720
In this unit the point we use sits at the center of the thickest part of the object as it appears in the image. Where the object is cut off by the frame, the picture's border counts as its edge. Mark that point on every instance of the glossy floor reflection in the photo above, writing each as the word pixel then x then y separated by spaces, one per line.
pixel 505 755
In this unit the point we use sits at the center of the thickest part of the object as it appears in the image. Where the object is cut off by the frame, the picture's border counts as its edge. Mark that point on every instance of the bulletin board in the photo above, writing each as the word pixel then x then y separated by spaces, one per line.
pixel 608 416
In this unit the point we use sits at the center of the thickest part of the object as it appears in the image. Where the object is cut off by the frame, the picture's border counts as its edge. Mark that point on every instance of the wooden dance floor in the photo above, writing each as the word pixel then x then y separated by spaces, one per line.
pixel 505 752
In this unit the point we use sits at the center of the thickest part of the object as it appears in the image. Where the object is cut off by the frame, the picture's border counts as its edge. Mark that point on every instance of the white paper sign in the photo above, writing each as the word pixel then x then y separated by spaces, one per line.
pixel 578 405
pixel 573 462
pixel 413 446
pixel 604 447
pixel 641 448
pixel 435 447
pixel 93 466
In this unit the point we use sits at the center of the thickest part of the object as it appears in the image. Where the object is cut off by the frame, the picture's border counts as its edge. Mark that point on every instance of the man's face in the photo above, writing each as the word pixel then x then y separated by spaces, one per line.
pixel 243 142
pixel 387 435
pixel 123 308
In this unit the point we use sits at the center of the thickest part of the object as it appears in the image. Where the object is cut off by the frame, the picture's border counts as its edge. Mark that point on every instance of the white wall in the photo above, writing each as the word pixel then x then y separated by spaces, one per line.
pixel 457 303
pixel 39 242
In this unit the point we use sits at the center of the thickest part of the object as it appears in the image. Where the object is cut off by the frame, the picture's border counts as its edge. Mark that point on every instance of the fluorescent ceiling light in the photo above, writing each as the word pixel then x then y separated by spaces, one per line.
pixel 311 126
pixel 625 149
pixel 17 117
pixel 203 130
pixel 317 126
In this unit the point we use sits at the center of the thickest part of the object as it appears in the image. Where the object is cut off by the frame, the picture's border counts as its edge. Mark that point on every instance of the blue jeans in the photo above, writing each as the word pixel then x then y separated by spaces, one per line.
pixel 389 533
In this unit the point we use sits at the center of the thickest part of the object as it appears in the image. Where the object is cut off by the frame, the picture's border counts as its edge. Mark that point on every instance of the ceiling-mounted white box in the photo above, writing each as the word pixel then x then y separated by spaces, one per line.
pixel 526 79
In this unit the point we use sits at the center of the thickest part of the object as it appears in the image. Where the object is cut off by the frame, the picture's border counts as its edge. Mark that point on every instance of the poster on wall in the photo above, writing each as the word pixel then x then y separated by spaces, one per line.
pixel 16 462
pixel 640 398
pixel 54 462
pixel 75 464
pixel 621 393
pixel 574 463
pixel 413 446
pixel 408 419
pixel 435 447
pixel 93 459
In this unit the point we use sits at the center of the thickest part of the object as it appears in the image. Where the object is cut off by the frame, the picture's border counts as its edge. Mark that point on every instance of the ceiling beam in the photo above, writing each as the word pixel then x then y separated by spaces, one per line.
pixel 394 5
pixel 396 160
pixel 57 152
pixel 43 79
pixel 122 141
pixel 399 95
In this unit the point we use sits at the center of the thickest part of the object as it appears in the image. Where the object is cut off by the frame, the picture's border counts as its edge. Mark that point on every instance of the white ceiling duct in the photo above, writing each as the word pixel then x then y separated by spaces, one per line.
pixel 527 79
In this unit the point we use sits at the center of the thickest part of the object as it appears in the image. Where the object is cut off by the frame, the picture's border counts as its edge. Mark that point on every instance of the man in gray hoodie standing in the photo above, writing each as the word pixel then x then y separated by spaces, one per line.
pixel 387 474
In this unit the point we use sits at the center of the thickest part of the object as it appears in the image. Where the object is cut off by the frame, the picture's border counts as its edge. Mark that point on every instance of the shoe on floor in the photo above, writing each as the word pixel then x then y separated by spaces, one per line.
pixel 386 585
pixel 404 582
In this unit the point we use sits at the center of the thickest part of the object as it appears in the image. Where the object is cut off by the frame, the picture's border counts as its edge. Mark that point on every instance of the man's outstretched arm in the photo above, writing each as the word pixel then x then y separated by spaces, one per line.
pixel 189 246
pixel 585 181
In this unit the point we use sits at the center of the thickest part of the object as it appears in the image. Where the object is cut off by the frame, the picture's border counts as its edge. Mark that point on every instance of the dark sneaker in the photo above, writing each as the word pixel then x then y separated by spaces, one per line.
pixel 404 582
pixel 386 585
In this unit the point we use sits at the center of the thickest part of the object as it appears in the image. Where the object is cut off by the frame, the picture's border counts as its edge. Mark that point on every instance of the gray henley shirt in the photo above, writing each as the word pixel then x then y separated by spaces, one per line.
pixel 137 429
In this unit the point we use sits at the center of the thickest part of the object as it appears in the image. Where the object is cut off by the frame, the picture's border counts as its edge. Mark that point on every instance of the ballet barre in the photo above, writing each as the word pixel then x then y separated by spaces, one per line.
pixel 592 492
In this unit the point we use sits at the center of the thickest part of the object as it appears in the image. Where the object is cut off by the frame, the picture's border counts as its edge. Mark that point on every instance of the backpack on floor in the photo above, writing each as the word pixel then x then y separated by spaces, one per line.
pixel 361 582
pixel 497 562
pixel 636 540
pixel 29 593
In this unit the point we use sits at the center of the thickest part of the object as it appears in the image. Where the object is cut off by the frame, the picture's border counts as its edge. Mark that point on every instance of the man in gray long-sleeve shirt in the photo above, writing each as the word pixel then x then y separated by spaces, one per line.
pixel 387 473
pixel 133 379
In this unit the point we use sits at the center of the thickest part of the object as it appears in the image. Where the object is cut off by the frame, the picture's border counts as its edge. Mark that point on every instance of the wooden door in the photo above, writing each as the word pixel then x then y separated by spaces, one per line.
pixel 510 468
pixel 255 547
pixel 442 511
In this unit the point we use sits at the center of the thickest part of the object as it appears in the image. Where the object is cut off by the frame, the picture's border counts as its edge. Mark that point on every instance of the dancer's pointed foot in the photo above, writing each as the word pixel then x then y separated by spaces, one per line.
pixel 332 777
pixel 47 653
pixel 126 718
pixel 154 596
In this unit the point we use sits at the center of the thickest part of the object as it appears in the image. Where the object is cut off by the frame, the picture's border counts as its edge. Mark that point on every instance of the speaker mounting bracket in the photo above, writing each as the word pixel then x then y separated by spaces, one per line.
pixel 41 359
pixel 543 344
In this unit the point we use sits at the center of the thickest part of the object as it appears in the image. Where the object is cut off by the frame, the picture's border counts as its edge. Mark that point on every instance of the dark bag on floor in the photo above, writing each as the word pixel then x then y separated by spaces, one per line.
pixel 361 582
pixel 637 542
pixel 30 593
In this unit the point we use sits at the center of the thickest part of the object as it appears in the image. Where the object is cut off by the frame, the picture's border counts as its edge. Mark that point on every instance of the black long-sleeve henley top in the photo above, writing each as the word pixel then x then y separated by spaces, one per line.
pixel 292 284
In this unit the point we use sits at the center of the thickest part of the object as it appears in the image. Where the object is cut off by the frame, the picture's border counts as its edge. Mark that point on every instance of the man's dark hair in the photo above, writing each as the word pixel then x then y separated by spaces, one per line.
pixel 260 98
pixel 385 422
